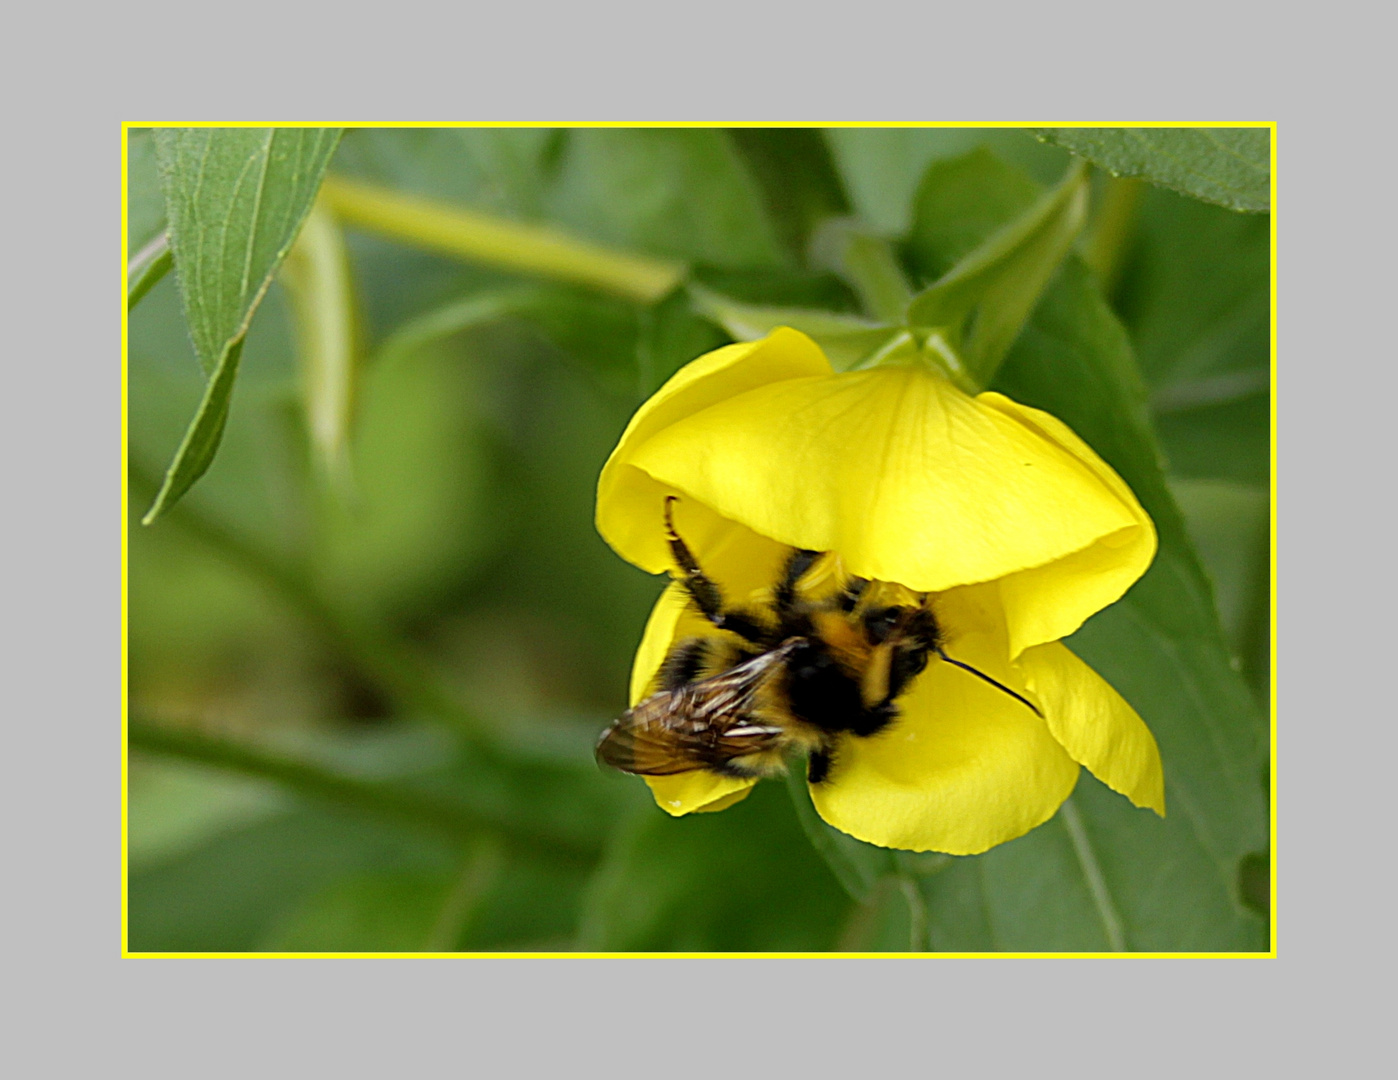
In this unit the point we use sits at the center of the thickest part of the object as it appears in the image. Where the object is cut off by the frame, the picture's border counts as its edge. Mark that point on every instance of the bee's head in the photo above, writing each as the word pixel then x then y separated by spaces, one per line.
pixel 880 622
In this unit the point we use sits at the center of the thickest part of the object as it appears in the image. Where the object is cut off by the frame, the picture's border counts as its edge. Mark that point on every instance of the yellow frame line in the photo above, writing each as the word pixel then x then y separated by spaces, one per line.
pixel 696 955
pixel 1270 125
pixel 702 124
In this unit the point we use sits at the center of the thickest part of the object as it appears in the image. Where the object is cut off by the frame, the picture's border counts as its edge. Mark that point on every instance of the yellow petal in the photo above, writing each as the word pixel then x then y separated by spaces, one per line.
pixel 1095 724
pixel 656 640
pixel 629 501
pixel 908 478
pixel 1049 602
pixel 965 767
pixel 697 792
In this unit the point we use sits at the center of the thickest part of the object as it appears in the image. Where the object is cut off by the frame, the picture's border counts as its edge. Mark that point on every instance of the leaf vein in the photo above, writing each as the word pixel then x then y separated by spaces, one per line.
pixel 256 212
pixel 1092 872
pixel 1257 167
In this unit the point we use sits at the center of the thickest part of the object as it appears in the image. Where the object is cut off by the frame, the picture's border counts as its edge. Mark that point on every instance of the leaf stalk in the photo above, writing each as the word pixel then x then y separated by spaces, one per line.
pixel 510 245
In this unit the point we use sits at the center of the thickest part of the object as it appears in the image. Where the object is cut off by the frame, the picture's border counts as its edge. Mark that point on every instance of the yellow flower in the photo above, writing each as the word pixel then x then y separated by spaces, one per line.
pixel 1011 523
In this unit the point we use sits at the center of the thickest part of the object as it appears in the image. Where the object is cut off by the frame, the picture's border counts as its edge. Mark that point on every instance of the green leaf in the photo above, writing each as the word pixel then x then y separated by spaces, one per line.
pixel 1032 894
pixel 868 263
pixel 741 880
pixel 463 313
pixel 1117 202
pixel 317 880
pixel 404 911
pixel 893 919
pixel 499 171
pixel 173 807
pixel 145 205
pixel 232 892
pixel 1171 883
pixel 236 198
pixel 1227 166
pixel 1195 295
pixel 201 438
pixel 978 306
pixel 882 167
pixel 514 903
pixel 1227 441
pixel 600 335
pixel 533 905
pixel 1116 874
pixel 366 912
pixel 959 202
pixel 848 340
pixel 671 334
pixel 1255 881
pixel 781 287
pixel 797 177
pixel 147 246
pixel 677 192
pixel 408 816
pixel 1229 524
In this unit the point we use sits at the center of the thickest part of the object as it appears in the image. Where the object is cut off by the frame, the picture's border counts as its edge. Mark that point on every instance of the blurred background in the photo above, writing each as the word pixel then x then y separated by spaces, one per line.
pixel 363 715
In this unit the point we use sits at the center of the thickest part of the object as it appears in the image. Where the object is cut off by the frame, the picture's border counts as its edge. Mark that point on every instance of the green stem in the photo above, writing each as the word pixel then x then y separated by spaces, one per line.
pixel 510 245
pixel 478 875
pixel 857 866
pixel 873 270
pixel 319 284
pixel 1092 874
pixel 315 781
pixel 917 913
pixel 146 268
pixel 399 673
pixel 464 314
pixel 869 265
pixel 981 304
pixel 301 777
pixel 1112 228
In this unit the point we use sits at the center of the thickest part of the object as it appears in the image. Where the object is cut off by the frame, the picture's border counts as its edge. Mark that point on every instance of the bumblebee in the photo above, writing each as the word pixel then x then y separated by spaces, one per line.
pixel 826 659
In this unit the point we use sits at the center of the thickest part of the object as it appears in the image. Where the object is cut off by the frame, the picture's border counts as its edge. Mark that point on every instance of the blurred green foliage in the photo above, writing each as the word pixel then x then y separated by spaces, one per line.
pixel 276 773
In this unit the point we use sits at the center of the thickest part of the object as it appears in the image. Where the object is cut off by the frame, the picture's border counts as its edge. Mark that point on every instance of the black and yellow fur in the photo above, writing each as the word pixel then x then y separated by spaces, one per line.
pixel 825 660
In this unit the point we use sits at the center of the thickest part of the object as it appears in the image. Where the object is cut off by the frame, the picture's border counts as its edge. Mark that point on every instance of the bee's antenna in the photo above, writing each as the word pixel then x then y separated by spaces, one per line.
pixel 669 517
pixel 987 678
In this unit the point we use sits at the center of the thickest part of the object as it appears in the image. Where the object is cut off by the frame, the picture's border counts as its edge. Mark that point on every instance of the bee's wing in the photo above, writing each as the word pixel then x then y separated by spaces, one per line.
pixel 697 726
pixel 647 751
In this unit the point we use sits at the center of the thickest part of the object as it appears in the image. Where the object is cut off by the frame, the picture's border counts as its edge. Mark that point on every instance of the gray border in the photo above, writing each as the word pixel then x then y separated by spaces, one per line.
pixel 703 64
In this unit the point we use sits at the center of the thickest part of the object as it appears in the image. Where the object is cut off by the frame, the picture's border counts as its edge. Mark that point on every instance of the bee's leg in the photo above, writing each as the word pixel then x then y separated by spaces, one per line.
pixel 872 720
pixel 702 590
pixel 919 639
pixel 796 566
pixel 818 764
pixel 735 770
